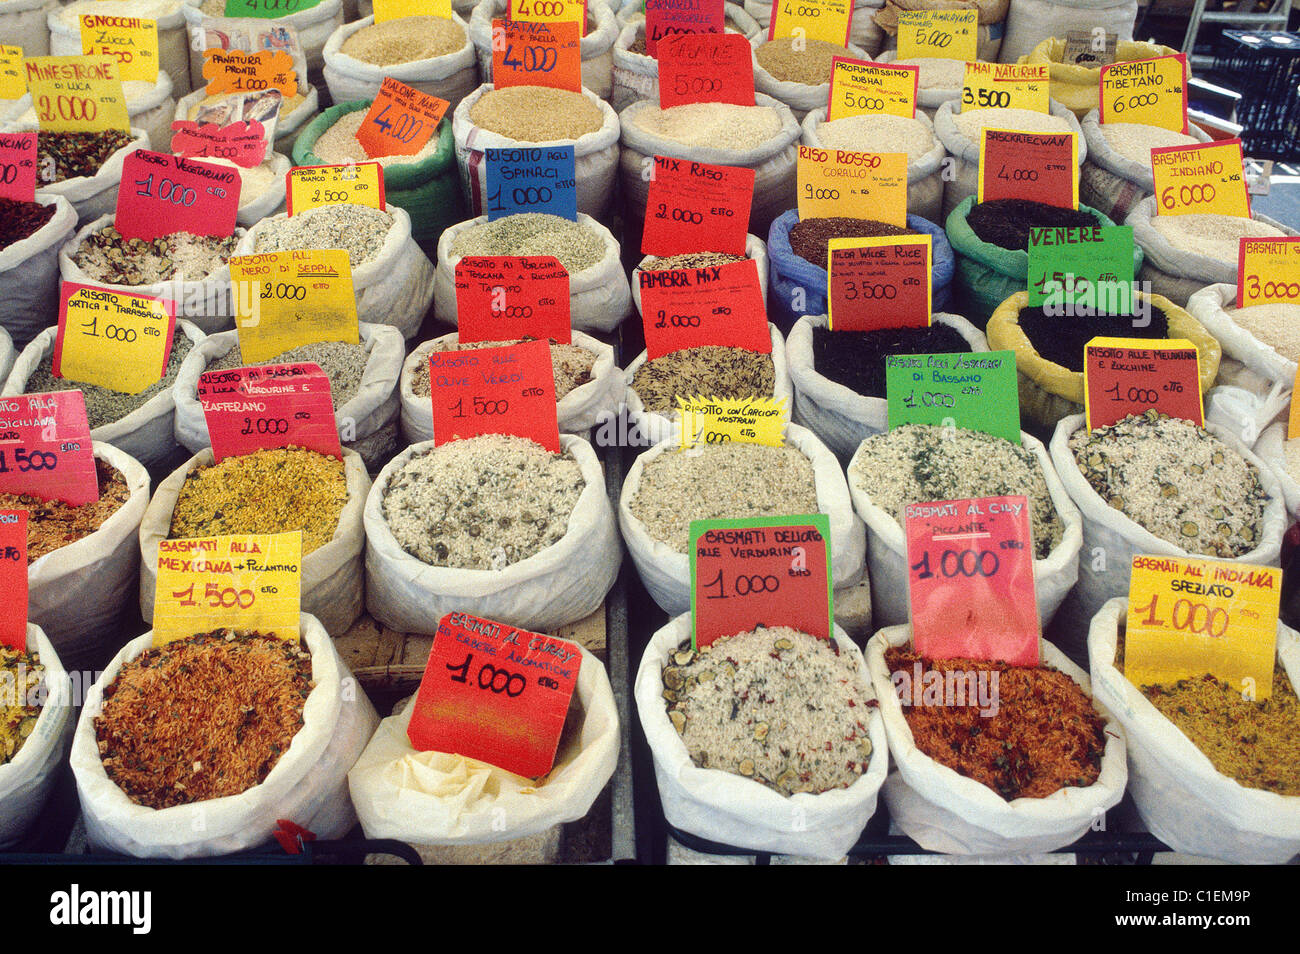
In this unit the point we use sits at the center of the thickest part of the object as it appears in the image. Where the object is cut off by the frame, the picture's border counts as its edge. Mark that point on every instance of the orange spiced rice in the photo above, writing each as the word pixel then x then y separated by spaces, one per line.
pixel 52 524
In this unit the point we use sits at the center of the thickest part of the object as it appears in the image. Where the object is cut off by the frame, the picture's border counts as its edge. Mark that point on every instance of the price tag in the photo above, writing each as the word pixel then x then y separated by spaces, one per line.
pixel 507 297
pixel 1088 268
pixel 129 40
pixel 664 18
pixel 828 20
pixel 243 143
pixel 1005 86
pixel 248 582
pixel 161 194
pixel 541 179
pixel 18 166
pixel 359 183
pixel 860 185
pixel 527 53
pixel 267 9
pixel 751 420
pixel 268 407
pixel 548 11
pixel 706 68
pixel 45 448
pixel 880 282
pixel 1039 167
pixel 714 305
pixel 1189 617
pixel 289 299
pixel 401 120
pixel 495 693
pixel 976 391
pixel 859 88
pixel 13 85
pixel 113 339
pixel 13 579
pixel 1201 179
pixel 1150 92
pixel 970 579
pixel 77 93
pixel 947 34
pixel 508 390
pixel 1268 270
pixel 396 9
pixel 693 206
pixel 1090 48
pixel 234 71
pixel 1123 376
pixel 760 571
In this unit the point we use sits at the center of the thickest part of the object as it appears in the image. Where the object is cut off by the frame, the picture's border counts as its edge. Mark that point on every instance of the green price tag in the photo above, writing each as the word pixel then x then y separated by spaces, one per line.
pixel 267 9
pixel 975 391
pixel 1090 270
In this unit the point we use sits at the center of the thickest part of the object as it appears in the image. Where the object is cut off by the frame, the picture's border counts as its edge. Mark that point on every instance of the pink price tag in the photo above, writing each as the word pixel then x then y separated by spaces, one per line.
pixel 161 194
pixel 243 143
pixel 267 407
pixel 18 166
pixel 13 579
pixel 45 448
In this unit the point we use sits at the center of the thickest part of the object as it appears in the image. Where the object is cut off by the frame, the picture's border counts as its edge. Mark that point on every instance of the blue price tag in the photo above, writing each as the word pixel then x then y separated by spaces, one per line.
pixel 531 180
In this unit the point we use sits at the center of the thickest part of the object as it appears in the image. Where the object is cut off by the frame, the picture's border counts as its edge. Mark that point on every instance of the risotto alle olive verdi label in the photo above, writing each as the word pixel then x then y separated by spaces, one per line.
pixel 289 299
pixel 13 579
pixel 507 390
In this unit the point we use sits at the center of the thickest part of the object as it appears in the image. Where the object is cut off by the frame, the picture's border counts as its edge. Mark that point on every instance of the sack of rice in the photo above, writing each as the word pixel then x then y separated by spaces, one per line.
pixel 1259 340
pixel 798 71
pixel 433 54
pixel 989 34
pixel 1077 86
pixel 1030 22
pixel 599 32
pixel 1117 173
pixel 31 235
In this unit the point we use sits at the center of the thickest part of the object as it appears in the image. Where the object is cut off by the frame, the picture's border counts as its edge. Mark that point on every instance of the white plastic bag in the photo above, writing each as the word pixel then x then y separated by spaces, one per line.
pixel 599 297
pixel 666 573
pixel 173 43
pixel 92 196
pixel 1110 183
pixel 755 248
pixel 286 127
pixel 563 583
pixel 1209 306
pixel 738 811
pixel 800 97
pixel 23 24
pixel 29 275
pixel 1030 22
pixel 1182 798
pixel 887 548
pixel 596 46
pixel 145 433
pixel 308 785
pixel 579 411
pixel 331 574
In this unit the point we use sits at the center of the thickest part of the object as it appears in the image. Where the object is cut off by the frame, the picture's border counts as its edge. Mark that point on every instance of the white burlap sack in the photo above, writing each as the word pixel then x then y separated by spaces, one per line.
pixel 27 779
pixel 24 23
pixel 1270 449
pixel 29 275
pixel 800 97
pixel 738 811
pixel 452 76
pixel 1030 22
pixel 945 811
pixel 842 418
pixel 149 106
pixel 563 583
pixel 924 174
pixel 1209 306
pixel 145 433
pixel 366 8
pixel 887 547
pixel 77 592
pixel 314 26
pixel 437 798
pixel 286 127
pixel 599 296
pixel 393 288
pixel 596 46
pixel 579 411
pixel 1182 798
pixel 308 785
pixel 666 573
pixel 1110 183
pixel 657 427
pixel 173 43
pixel 755 248
pixel 91 196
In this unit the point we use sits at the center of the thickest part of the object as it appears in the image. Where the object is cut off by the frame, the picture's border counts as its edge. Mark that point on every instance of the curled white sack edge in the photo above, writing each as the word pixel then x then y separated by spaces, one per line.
pixel 391 782
pixel 29 275
pixel 739 811
pixel 307 786
pixel 450 76
pixel 1210 307
pixel 944 811
pixel 755 248
pixel 1271 449
pixel 800 97
pixel 1182 798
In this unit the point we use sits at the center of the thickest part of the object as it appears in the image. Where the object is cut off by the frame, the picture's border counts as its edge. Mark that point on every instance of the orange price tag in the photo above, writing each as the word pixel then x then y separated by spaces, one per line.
pixel 1123 376
pixel 13 579
pixel 401 120
pixel 234 71
pixel 528 53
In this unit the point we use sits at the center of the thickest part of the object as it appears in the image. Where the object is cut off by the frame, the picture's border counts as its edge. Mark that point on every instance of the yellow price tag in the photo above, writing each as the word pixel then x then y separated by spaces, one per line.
pixel 288 299
pixel 1204 179
pixel 12 84
pixel 859 185
pixel 1188 617
pixel 549 11
pixel 249 582
pixel 949 34
pixel 113 339
pixel 129 40
pixel 1268 272
pixel 1005 86
pixel 827 20
pixel 77 93
pixel 751 420
pixel 396 9
pixel 1150 92
pixel 361 183
pixel 859 88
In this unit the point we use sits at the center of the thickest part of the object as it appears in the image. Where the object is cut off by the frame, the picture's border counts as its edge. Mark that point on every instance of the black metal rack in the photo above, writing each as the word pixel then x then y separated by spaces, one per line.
pixel 1265 67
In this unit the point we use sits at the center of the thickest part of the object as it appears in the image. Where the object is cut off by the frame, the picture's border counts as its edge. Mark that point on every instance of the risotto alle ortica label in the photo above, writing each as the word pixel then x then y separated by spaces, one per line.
pixel 290 299
pixel 113 339
pixel 13 579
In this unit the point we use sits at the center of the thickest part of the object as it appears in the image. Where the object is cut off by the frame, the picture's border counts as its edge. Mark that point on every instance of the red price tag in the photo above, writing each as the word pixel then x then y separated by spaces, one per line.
pixel 706 68
pixel 1123 376
pixel 13 579
pixel 665 18
pixel 243 143
pixel 971 579
pixel 45 448
pixel 495 693
pixel 267 407
pixel 508 390
pixel 505 297
pixel 401 120
pixel 715 305
pixel 770 571
pixel 880 283
pixel 694 207
pixel 529 53
pixel 1039 167
pixel 18 166
pixel 161 194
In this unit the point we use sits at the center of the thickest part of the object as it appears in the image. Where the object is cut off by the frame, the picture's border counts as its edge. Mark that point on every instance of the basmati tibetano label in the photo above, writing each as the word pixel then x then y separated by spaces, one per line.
pixel 1147 92
pixel 288 299
pixel 116 340
pixel 13 579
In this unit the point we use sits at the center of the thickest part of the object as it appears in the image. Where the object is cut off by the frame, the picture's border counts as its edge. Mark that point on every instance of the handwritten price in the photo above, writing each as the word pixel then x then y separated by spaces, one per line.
pixel 665 320
pixel 1174 196
pixel 405 127
pixel 68 108
pixel 968 563
pixel 1191 622
pixel 742 585
pixel 26 460
pixel 489 677
pixel 1255 288
pixel 481 406
pixel 986 99
pixel 219 597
